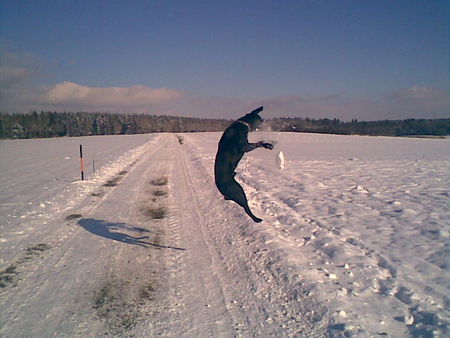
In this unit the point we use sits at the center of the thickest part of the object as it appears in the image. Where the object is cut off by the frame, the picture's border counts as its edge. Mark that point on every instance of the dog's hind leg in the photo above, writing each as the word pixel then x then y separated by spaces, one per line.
pixel 237 194
pixel 249 212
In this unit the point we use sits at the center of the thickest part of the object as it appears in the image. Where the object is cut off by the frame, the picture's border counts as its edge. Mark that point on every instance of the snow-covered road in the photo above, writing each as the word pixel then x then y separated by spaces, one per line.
pixel 354 239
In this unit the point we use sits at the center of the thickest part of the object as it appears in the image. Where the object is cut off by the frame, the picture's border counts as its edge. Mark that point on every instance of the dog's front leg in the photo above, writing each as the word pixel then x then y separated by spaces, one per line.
pixel 252 146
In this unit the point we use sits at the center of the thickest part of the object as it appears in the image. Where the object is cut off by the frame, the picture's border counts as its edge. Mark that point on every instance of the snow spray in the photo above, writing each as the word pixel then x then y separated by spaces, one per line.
pixel 280 160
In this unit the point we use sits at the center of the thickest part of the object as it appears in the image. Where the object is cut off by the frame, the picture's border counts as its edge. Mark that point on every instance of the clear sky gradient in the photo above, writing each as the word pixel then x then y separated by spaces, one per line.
pixel 364 59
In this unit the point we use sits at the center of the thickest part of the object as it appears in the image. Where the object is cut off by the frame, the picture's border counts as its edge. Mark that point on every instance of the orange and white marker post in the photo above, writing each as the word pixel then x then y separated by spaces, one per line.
pixel 81 162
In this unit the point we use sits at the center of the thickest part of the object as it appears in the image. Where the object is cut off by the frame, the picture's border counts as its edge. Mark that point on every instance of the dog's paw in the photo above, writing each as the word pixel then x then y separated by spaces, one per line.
pixel 268 145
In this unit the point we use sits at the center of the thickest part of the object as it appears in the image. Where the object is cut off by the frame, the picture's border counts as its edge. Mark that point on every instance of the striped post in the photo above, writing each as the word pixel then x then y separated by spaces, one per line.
pixel 81 162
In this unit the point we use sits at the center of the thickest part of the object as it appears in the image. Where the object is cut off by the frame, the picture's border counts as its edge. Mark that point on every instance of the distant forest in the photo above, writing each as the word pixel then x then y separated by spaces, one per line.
pixel 408 127
pixel 53 124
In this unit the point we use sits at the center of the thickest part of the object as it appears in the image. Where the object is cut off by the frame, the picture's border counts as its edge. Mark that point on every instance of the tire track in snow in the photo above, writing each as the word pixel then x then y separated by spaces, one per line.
pixel 197 302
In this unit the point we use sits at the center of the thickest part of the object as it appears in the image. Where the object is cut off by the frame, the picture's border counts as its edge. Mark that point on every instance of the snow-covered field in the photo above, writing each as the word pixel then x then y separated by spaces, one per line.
pixel 354 242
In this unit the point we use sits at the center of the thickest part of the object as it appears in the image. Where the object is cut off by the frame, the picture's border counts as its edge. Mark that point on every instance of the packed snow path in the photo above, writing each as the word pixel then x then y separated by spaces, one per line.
pixel 354 239
pixel 148 251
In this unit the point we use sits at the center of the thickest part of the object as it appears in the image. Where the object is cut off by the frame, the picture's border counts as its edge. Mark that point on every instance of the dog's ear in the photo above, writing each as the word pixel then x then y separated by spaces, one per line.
pixel 257 111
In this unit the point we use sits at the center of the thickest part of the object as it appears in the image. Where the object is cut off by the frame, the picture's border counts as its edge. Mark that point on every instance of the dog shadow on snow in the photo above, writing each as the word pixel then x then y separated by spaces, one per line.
pixel 112 231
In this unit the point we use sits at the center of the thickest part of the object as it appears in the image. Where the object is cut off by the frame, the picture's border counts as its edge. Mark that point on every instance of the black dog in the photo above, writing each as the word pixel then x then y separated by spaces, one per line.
pixel 232 146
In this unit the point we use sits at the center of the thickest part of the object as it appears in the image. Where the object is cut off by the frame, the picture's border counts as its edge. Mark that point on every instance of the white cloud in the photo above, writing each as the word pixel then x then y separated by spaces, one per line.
pixel 418 93
pixel 414 102
pixel 69 96
pixel 324 106
pixel 18 94
pixel 420 100
pixel 131 98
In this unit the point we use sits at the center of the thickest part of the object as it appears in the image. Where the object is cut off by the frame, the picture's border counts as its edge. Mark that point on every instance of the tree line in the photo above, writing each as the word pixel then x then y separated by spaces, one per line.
pixel 419 127
pixel 53 124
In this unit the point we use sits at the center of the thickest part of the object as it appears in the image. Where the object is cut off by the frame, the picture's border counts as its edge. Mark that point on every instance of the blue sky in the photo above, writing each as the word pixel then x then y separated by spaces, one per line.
pixel 366 59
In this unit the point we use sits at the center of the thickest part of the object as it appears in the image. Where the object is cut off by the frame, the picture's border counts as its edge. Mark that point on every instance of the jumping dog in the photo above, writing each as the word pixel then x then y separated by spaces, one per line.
pixel 232 146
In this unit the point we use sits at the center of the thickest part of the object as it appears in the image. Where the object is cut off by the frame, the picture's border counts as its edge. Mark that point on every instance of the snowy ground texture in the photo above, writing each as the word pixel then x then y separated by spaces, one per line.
pixel 354 242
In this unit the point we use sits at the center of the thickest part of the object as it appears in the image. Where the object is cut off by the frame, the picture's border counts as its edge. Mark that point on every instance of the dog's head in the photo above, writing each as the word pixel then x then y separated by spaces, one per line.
pixel 253 118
